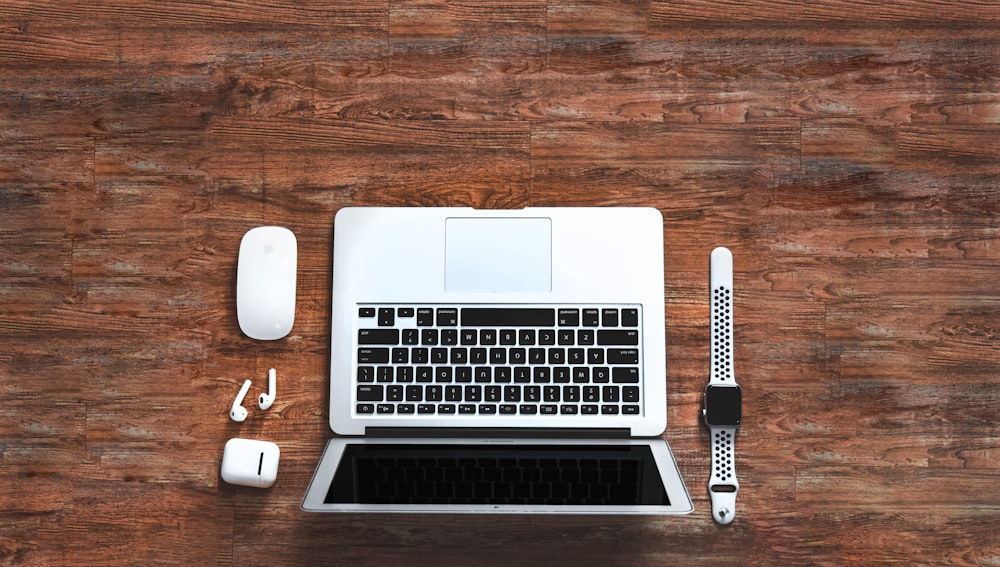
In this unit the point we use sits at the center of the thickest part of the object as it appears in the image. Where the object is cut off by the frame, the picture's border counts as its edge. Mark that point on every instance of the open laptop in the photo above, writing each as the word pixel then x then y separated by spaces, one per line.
pixel 507 361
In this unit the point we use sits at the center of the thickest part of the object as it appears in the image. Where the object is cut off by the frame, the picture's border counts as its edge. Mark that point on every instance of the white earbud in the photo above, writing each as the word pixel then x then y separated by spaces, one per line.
pixel 238 412
pixel 267 399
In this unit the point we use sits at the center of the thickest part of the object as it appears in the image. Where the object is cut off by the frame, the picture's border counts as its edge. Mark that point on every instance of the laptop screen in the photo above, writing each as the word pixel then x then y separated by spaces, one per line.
pixel 527 475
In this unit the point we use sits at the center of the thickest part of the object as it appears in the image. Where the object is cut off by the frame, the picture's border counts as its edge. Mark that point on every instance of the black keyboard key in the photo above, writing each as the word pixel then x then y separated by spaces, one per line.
pixel 526 337
pixel 447 409
pixel 439 356
pixel 517 356
pixel 627 337
pixel 366 374
pixel 507 317
pixel 453 393
pixel 386 317
pixel 546 337
pixel 630 393
pixel 425 317
pixel 434 393
pixel 411 337
pixel 567 338
pixel 400 355
pixel 609 410
pixel 468 337
pixel 527 409
pixel 502 374
pixel 625 375
pixel 623 356
pixel 373 355
pixel 551 393
pixel 498 356
pixel 571 393
pixel 609 317
pixel 542 375
pixel 610 394
pixel 393 393
pixel 473 393
pixel 405 408
pixel 557 356
pixel 414 393
pixel 426 408
pixel 600 375
pixel 405 312
pixel 378 336
pixel 487 409
pixel 532 394
pixel 508 409
pixel 384 374
pixel 385 408
pixel 508 337
pixel 466 409
pixel 366 312
pixel 590 409
pixel 449 337
pixel 522 375
pixel 512 394
pixel 404 374
pixel 569 317
pixel 591 317
pixel 488 337
pixel 447 317
pixel 365 408
pixel 630 317
pixel 429 337
pixel 549 409
pixel 630 410
pixel 492 393
pixel 591 394
pixel 568 410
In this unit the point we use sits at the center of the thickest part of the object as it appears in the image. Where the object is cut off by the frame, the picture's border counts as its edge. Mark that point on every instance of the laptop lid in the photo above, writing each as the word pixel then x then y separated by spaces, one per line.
pixel 477 262
pixel 497 476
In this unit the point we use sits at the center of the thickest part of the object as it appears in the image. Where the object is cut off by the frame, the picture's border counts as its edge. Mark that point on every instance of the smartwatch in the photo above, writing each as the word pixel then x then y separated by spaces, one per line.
pixel 723 410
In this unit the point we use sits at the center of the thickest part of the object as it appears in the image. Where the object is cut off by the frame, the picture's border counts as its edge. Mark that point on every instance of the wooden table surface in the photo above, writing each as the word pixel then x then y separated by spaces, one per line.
pixel 847 151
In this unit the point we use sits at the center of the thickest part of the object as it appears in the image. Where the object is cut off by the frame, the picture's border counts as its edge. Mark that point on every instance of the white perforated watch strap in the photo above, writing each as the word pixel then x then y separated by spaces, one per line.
pixel 722 483
pixel 721 323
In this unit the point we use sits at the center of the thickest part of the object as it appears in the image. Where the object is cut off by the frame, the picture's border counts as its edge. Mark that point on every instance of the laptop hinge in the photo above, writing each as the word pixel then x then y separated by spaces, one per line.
pixel 497 433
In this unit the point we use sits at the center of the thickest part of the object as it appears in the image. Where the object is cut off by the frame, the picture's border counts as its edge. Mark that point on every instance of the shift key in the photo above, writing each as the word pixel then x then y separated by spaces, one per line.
pixel 378 336
pixel 618 337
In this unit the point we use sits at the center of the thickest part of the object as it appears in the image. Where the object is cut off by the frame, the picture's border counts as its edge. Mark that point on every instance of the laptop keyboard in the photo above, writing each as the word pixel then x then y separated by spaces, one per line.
pixel 450 360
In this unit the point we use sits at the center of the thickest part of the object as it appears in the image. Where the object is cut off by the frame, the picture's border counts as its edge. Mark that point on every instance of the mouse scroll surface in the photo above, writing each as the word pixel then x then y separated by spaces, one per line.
pixel 265 282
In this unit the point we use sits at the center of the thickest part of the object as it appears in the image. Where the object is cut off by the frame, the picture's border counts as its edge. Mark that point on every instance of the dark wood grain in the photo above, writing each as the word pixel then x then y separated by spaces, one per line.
pixel 847 152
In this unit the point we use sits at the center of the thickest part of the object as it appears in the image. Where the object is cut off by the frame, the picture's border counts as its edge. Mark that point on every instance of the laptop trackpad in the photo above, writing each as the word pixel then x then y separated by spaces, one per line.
pixel 497 255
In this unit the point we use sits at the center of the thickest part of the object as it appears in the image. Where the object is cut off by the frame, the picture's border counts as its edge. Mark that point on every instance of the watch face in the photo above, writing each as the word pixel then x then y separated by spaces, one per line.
pixel 723 405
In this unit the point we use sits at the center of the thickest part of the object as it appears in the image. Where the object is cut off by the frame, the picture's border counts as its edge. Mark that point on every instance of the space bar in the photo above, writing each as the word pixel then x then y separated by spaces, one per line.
pixel 508 316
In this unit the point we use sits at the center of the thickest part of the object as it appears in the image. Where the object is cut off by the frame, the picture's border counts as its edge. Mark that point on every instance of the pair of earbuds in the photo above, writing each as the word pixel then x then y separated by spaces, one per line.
pixel 239 413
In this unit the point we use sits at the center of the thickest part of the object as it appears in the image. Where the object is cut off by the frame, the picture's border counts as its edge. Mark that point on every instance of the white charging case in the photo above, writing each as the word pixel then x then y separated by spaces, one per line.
pixel 249 462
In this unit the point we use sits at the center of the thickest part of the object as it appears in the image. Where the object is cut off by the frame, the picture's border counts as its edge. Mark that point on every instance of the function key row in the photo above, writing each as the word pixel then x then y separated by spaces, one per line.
pixel 504 316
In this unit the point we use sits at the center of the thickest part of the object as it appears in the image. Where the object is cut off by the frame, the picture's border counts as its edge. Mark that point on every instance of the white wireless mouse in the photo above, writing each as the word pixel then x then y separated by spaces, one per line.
pixel 265 282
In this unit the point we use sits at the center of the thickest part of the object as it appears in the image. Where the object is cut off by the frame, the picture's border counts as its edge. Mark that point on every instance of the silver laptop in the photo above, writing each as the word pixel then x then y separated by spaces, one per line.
pixel 507 361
